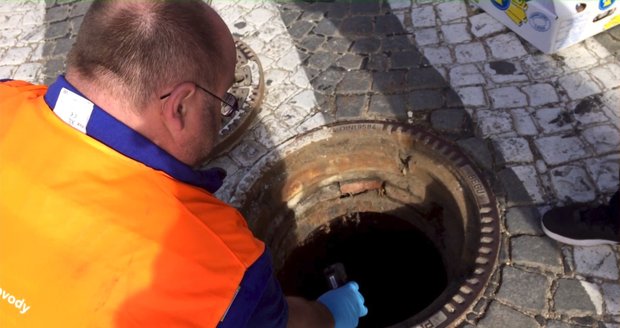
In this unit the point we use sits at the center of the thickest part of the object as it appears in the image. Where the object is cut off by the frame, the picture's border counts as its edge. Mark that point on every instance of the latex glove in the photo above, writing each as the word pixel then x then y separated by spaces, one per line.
pixel 346 305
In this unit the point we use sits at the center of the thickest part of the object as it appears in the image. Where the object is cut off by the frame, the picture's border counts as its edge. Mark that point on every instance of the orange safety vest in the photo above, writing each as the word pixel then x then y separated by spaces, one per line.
pixel 92 238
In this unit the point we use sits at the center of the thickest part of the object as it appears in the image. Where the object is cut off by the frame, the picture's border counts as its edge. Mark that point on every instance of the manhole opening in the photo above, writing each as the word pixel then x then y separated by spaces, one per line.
pixel 406 212
pixel 382 253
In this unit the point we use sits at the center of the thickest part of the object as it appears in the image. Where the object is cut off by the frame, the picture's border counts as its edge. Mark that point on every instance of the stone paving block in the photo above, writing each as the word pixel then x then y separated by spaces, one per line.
pixel 596 261
pixel 553 120
pixel 423 16
pixel 502 71
pixel 579 85
pixel 470 52
pixel 6 72
pixel 366 45
pixel 523 123
pixel 57 30
pixel 80 8
pixel 378 62
pixel 271 132
pixel 505 46
pixel 542 66
pixel 472 96
pixel 507 97
pixel 455 33
pixel 32 17
pixel 571 183
pixel 390 106
pixel 337 44
pixel 425 78
pixel 523 221
pixel 399 4
pixel 525 290
pixel 63 46
pixel 611 295
pixel 449 120
pixel 9 38
pixel 350 106
pixel 406 59
pixel 603 138
pixel 350 61
pixel 56 14
pixel 426 36
pixel 355 82
pixel 248 152
pixel 387 24
pixel 389 81
pixel 521 185
pixel 604 172
pixel 299 29
pixel 493 122
pixel 27 72
pixel 304 100
pixel 540 252
pixel 438 55
pixel 451 10
pixel 357 26
pixel 513 150
pixel 326 27
pixel 572 298
pixel 577 56
pixel 610 101
pixel 398 43
pixel 484 25
pixel 15 56
pixel 425 99
pixel 558 324
pixel 608 75
pixel 557 150
pixel 590 110
pixel 313 122
pixel 499 315
pixel 468 74
pixel 478 150
pixel 597 48
pixel 312 43
pixel 327 80
pixel 540 94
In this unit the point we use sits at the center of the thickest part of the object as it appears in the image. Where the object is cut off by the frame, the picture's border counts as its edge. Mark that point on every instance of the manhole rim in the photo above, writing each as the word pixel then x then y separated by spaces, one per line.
pixel 474 286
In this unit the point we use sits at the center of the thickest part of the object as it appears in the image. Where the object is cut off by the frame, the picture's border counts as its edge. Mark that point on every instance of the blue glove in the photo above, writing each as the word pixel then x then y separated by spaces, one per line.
pixel 346 305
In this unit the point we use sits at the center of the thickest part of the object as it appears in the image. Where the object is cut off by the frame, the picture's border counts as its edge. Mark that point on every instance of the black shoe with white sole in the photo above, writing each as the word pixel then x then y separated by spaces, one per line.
pixel 580 225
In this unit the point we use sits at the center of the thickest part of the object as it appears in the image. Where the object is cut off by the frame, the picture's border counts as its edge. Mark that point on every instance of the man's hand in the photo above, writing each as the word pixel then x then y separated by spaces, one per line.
pixel 346 305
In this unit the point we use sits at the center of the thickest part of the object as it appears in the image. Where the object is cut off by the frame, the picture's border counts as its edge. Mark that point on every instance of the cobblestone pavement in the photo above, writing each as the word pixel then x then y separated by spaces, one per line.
pixel 544 127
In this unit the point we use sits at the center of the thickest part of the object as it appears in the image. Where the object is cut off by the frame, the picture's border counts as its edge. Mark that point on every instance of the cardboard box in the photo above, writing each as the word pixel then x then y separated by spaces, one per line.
pixel 551 25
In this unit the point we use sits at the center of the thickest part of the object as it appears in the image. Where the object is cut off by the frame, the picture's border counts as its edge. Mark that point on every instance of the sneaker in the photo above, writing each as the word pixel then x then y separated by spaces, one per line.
pixel 580 225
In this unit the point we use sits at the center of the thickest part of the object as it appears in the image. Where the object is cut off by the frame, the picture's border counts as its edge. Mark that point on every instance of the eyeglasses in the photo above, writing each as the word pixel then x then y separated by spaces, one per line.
pixel 230 104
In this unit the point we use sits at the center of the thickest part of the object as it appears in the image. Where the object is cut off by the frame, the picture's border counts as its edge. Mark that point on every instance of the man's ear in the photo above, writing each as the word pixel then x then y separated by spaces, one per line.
pixel 175 106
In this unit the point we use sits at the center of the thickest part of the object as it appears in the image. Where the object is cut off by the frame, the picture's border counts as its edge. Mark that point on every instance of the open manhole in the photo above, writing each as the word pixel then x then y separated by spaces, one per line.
pixel 406 213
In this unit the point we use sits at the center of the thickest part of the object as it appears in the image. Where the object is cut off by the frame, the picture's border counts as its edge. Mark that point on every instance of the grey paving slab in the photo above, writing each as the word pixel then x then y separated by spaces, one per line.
pixel 572 297
pixel 500 315
pixel 540 252
pixel 524 290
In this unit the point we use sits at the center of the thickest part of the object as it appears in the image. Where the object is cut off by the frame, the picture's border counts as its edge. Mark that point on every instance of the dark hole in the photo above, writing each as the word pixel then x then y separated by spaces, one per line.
pixel 399 270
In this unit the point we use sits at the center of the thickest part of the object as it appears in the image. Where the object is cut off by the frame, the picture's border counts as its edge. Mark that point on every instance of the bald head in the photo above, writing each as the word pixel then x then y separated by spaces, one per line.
pixel 138 47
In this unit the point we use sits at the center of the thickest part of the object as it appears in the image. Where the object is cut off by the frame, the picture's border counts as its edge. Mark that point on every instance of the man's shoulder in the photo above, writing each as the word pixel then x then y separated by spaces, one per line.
pixel 12 87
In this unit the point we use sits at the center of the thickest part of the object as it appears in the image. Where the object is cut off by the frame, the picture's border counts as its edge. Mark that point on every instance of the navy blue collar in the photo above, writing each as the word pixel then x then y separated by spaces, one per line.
pixel 118 136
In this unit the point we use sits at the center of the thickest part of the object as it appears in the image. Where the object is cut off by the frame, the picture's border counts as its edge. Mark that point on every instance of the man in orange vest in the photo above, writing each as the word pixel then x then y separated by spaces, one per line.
pixel 103 220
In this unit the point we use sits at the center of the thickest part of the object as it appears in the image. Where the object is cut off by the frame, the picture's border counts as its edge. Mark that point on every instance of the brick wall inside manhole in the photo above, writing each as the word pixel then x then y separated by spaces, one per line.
pixel 406 212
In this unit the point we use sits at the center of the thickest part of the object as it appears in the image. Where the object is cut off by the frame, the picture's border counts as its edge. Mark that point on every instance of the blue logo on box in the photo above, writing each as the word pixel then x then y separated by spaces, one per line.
pixel 540 22
pixel 504 4
pixel 604 4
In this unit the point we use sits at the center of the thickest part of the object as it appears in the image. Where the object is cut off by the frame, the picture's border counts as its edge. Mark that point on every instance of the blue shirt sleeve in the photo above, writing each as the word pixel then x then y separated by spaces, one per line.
pixel 259 301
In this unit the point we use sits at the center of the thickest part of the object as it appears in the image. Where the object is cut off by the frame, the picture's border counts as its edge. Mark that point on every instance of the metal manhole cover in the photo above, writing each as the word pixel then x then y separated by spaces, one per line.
pixel 249 89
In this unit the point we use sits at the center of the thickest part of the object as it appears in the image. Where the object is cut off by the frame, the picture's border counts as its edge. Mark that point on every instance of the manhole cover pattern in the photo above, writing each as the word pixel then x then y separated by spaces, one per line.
pixel 249 89
pixel 461 298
